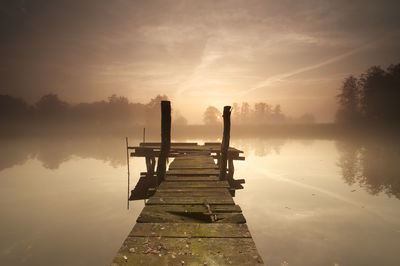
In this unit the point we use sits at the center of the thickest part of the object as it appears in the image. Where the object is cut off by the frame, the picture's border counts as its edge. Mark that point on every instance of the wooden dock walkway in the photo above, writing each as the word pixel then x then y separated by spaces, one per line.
pixel 190 220
pixel 189 217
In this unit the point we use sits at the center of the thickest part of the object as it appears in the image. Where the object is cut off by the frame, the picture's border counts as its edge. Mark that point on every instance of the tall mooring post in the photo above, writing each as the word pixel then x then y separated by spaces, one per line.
pixel 165 140
pixel 225 142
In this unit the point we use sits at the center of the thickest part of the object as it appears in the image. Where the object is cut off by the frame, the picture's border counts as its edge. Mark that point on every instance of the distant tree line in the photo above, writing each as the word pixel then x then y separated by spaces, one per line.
pixel 372 98
pixel 259 113
pixel 50 109
pixel 119 111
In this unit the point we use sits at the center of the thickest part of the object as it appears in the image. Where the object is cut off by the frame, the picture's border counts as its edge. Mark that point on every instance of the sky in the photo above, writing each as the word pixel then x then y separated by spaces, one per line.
pixel 198 53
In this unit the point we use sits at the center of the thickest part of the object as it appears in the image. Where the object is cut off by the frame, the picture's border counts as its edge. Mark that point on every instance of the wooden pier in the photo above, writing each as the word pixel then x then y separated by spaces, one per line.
pixel 190 217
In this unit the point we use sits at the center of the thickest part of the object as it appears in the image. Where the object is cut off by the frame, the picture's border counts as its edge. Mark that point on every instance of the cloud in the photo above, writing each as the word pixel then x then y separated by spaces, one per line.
pixel 87 50
pixel 280 77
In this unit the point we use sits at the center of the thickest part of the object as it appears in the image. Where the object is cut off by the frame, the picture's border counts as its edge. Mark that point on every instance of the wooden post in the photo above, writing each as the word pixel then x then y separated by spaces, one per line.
pixel 225 142
pixel 127 162
pixel 144 135
pixel 165 140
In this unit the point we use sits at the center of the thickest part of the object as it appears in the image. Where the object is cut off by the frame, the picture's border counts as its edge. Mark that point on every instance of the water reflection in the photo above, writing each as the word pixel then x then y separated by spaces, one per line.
pixel 298 199
pixel 373 165
pixel 54 150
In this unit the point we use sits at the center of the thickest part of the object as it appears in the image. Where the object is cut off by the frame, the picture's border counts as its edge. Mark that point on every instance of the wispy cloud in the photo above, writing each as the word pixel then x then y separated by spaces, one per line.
pixel 197 77
pixel 280 77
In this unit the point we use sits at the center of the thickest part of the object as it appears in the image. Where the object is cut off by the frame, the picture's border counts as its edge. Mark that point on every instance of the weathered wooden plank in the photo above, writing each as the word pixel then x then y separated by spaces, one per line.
pixel 195 184
pixel 177 154
pixel 212 144
pixel 194 193
pixel 190 200
pixel 195 156
pixel 154 151
pixel 190 189
pixel 194 251
pixel 191 178
pixel 189 157
pixel 156 260
pixel 236 218
pixel 194 159
pixel 235 157
pixel 184 147
pixel 195 208
pixel 193 163
pixel 225 208
pixel 190 172
pixel 213 230
pixel 161 215
pixel 158 144
pixel 191 167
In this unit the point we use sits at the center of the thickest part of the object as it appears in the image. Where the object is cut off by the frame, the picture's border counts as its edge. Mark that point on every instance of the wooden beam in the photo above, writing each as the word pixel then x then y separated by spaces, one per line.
pixel 158 144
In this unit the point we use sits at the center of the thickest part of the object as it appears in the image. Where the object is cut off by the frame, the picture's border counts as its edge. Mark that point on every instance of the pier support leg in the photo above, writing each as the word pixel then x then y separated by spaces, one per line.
pixel 225 142
pixel 165 140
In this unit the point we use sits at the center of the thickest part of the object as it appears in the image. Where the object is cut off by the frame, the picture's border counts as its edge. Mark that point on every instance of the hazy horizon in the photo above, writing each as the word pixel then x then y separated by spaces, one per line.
pixel 198 53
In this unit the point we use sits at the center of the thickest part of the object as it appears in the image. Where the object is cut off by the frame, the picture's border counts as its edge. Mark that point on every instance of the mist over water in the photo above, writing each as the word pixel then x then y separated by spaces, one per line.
pixel 307 201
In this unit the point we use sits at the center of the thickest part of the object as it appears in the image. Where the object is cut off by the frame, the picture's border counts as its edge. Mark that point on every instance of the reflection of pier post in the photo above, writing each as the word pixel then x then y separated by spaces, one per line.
pixel 150 165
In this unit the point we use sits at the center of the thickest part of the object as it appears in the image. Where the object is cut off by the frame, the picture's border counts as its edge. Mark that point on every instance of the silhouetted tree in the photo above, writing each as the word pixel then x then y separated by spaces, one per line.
pixel 235 112
pixel 277 114
pixel 245 112
pixel 212 116
pixel 179 119
pixel 372 98
pixel 264 113
pixel 260 112
pixel 374 93
pixel 13 109
pixel 349 99
pixel 153 109
pixel 115 111
pixel 51 108
pixel 392 112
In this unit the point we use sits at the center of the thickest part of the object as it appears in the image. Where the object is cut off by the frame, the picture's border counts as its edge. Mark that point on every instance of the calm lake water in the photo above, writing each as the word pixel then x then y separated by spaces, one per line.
pixel 307 202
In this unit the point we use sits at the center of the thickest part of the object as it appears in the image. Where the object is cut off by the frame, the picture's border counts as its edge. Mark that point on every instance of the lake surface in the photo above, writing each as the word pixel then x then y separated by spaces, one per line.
pixel 307 202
